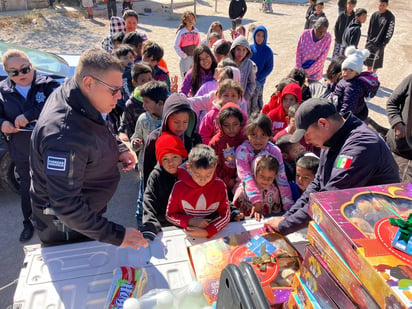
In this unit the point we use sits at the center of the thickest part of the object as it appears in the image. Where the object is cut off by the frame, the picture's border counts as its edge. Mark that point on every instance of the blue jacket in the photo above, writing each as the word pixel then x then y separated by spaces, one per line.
pixel 371 163
pixel 13 104
pixel 262 55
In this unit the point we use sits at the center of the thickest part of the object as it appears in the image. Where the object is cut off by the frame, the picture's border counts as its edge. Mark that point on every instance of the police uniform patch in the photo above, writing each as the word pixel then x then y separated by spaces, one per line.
pixel 57 163
pixel 344 162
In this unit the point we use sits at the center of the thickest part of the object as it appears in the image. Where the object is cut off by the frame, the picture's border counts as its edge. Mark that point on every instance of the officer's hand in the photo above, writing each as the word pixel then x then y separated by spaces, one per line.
pixel 7 127
pixel 133 239
pixel 273 223
pixel 128 160
pixel 20 121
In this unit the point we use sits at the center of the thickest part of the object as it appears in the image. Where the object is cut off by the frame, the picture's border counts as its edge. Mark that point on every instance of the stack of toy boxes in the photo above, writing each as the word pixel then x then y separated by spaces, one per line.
pixel 351 236
pixel 273 258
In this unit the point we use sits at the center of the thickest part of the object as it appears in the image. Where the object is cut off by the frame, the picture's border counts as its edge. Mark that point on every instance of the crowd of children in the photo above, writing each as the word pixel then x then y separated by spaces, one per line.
pixel 240 160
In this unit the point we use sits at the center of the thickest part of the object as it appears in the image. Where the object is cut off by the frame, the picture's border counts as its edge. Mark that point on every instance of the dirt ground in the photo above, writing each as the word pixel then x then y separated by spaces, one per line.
pixel 70 33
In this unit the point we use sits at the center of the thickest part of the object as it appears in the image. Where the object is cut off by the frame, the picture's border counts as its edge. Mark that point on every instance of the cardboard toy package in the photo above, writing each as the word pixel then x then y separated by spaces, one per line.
pixel 273 258
pixel 357 223
pixel 323 284
pixel 340 268
pixel 304 294
pixel 294 302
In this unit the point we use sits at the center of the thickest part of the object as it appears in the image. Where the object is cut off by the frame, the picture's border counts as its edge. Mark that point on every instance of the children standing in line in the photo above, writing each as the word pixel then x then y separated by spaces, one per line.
pixel 116 25
pixel 237 9
pixel 135 40
pixel 141 74
pixel 225 67
pixel 291 95
pixel 355 86
pixel 198 202
pixel 319 6
pixel 313 48
pixel 240 53
pixel 187 39
pixel 264 169
pixel 311 10
pixel 154 95
pixel 152 53
pixel 221 50
pixel 203 69
pixel 380 32
pixel 240 30
pixel 131 19
pixel 258 132
pixel 125 54
pixel 229 136
pixel 352 33
pixel 127 5
pixel 262 56
pixel 307 164
pixel 290 151
pixel 341 24
pixel 275 97
pixel 228 91
pixel 170 153
pixel 215 27
pixel 179 119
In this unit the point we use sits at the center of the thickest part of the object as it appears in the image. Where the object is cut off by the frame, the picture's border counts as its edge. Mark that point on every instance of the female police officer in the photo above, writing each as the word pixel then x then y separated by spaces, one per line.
pixel 22 96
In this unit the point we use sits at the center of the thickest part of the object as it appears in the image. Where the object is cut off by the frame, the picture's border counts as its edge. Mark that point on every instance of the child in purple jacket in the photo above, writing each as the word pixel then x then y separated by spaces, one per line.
pixel 355 86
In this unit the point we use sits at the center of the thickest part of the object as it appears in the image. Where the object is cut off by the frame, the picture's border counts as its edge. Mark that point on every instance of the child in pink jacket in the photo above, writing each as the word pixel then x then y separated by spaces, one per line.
pixel 258 133
pixel 228 91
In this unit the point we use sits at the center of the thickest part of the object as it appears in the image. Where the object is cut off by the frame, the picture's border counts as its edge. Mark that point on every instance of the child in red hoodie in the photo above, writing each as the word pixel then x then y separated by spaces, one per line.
pixel 291 94
pixel 198 202
pixel 229 136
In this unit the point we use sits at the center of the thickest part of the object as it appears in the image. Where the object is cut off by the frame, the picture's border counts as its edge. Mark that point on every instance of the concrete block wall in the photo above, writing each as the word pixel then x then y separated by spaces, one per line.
pixel 16 5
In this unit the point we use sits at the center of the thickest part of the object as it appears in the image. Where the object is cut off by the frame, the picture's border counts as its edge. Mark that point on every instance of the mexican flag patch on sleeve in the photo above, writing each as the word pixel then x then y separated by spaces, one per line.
pixel 344 162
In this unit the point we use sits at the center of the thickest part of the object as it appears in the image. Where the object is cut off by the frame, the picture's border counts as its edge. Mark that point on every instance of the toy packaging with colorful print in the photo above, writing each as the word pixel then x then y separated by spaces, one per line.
pixel 273 258
pixel 361 225
pixel 323 284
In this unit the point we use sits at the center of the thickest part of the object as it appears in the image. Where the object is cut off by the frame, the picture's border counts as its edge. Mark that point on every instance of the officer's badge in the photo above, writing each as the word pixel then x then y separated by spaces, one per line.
pixel 40 97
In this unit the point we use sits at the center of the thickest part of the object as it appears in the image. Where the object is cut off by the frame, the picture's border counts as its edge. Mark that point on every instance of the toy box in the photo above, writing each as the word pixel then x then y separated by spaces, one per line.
pixel 304 295
pixel 274 260
pixel 340 268
pixel 323 284
pixel 357 223
pixel 294 302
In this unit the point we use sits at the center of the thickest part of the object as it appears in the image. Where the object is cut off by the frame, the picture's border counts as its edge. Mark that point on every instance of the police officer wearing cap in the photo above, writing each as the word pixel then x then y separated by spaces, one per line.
pixel 352 155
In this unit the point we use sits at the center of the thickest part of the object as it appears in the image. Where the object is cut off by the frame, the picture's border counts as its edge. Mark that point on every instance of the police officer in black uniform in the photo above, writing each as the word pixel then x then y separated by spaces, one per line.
pixel 74 158
pixel 22 96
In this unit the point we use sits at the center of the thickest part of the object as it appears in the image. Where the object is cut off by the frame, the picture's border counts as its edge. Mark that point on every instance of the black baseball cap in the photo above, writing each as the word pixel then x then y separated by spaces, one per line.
pixel 308 113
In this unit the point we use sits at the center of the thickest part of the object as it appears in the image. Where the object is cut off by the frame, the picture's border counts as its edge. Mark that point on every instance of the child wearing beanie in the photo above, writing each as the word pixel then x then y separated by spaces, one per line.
pixel 170 153
pixel 355 86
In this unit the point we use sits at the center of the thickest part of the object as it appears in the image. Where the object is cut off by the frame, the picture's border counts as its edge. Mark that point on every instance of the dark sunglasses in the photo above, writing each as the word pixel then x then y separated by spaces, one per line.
pixel 15 73
pixel 113 89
